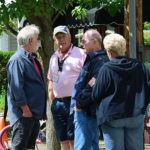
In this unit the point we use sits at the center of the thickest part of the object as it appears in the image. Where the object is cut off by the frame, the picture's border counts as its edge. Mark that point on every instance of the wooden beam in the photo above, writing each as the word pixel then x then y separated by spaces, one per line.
pixel 126 25
pixel 139 28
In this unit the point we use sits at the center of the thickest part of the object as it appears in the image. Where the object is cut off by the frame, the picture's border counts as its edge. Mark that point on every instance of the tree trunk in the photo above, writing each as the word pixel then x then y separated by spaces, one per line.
pixel 47 49
pixel 51 142
pixel 139 28
pixel 126 25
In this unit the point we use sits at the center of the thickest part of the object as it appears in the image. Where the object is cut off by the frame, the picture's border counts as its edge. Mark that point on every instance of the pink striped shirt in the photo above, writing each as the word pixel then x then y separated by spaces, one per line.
pixel 63 82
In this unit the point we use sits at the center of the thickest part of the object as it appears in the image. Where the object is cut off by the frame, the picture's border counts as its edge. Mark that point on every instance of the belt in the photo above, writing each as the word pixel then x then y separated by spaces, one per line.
pixel 64 98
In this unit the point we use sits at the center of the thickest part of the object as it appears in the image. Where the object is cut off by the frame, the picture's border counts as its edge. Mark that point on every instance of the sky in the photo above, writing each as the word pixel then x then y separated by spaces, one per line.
pixel 8 1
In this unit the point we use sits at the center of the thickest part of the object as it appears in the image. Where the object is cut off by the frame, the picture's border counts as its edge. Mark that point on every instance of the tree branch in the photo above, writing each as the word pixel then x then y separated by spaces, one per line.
pixel 11 29
pixel 56 17
pixel 58 14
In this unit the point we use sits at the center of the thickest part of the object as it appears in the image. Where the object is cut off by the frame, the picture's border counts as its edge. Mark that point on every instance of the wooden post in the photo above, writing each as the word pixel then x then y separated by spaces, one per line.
pixel 126 24
pixel 139 28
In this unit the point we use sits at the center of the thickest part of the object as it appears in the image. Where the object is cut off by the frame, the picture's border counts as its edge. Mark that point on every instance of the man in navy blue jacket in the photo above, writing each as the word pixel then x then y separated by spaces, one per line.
pixel 121 93
pixel 26 93
pixel 86 128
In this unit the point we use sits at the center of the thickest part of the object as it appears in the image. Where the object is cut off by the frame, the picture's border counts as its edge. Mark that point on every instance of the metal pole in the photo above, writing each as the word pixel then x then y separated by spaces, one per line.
pixel 132 28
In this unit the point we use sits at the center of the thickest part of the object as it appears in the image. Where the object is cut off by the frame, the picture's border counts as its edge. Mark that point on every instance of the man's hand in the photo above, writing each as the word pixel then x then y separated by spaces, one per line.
pixel 77 109
pixel 51 96
pixel 26 111
pixel 92 82
pixel 50 91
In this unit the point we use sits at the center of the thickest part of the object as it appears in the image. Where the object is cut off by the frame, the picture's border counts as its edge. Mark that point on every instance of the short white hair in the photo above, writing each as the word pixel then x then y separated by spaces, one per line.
pixel 94 34
pixel 26 33
pixel 115 43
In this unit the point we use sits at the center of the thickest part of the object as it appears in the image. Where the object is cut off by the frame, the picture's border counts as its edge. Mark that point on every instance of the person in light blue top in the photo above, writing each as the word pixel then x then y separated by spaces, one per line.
pixel 26 93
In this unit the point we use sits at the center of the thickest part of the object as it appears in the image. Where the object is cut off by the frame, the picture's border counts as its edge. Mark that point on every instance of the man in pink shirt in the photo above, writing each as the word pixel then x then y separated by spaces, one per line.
pixel 64 68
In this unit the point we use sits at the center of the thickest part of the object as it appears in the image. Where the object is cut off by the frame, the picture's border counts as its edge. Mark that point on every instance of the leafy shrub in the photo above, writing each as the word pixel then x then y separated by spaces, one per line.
pixel 147 64
pixel 2 98
pixel 4 57
pixel 147 38
pixel 146 26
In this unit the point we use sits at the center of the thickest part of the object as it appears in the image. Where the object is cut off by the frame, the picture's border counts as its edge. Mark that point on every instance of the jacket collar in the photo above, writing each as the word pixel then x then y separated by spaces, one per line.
pixel 99 52
pixel 26 53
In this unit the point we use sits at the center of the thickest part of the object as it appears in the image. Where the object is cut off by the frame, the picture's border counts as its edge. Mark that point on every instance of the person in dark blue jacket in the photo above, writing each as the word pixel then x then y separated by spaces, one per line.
pixel 26 93
pixel 86 128
pixel 121 92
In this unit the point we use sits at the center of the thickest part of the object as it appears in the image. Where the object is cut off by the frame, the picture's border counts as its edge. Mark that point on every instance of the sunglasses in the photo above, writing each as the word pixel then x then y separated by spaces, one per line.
pixel 38 38
pixel 84 41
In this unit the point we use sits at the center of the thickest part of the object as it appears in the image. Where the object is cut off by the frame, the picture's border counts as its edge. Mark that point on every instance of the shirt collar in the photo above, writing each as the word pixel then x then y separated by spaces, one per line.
pixel 93 54
pixel 26 53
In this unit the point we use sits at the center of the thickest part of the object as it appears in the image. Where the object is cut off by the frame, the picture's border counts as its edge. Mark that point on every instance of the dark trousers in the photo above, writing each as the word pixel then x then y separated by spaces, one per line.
pixel 25 132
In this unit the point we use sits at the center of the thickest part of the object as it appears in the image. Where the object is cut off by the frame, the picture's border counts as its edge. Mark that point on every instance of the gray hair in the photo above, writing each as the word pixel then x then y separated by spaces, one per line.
pixel 26 33
pixel 116 44
pixel 94 34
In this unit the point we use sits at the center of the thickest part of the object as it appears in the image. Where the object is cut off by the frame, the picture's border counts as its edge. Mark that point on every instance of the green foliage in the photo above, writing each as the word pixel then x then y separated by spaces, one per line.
pixel 111 6
pixel 17 9
pixel 146 26
pixel 147 64
pixel 78 10
pixel 3 27
pixel 147 38
pixel 4 57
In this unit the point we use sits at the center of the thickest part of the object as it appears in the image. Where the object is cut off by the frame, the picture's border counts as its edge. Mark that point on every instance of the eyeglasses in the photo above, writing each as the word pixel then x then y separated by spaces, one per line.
pixel 38 38
pixel 85 41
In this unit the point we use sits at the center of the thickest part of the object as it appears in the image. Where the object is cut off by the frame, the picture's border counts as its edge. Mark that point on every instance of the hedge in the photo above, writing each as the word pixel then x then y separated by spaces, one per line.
pixel 146 26
pixel 4 57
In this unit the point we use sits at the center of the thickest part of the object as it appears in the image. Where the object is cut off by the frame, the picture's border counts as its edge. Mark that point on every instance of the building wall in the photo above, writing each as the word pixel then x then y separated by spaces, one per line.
pixel 4 42
pixel 12 43
pixel 8 42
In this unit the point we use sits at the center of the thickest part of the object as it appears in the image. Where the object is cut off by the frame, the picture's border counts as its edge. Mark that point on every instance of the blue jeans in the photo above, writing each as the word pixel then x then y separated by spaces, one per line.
pixel 124 134
pixel 86 132
pixel 25 132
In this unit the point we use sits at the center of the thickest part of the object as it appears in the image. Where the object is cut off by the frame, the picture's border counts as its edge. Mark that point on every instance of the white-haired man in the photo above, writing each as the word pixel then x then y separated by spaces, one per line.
pixel 26 93
pixel 86 128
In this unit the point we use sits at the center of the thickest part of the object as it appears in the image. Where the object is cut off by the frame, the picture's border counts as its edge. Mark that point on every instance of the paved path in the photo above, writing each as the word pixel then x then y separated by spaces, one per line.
pixel 102 146
pixel 42 146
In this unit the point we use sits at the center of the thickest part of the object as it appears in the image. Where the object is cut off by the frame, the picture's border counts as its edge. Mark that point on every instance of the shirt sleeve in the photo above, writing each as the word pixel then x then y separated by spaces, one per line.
pixel 85 97
pixel 83 57
pixel 50 74
pixel 77 90
pixel 101 85
pixel 15 74
pixel 86 93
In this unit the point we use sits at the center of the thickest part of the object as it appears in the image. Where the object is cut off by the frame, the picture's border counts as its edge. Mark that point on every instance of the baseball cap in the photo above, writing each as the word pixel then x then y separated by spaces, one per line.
pixel 62 29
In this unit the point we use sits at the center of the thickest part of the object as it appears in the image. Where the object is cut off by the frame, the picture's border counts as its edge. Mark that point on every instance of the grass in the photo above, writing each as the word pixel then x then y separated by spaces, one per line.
pixel 147 64
pixel 2 100
pixel 147 37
